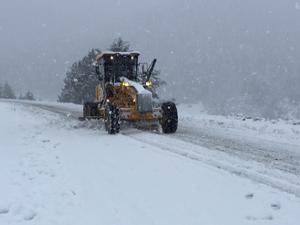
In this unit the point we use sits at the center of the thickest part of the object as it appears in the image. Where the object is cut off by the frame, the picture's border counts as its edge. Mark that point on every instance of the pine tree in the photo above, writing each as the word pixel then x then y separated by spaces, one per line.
pixel 81 80
pixel 119 45
pixel 21 97
pixel 29 96
pixel 8 92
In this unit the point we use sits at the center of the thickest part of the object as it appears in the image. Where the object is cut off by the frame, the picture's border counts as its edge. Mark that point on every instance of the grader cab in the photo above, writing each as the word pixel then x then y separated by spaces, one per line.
pixel 123 96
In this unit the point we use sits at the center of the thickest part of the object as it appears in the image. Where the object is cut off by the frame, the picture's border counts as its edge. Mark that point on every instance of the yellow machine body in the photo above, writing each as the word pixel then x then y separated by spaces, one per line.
pixel 125 98
pixel 123 94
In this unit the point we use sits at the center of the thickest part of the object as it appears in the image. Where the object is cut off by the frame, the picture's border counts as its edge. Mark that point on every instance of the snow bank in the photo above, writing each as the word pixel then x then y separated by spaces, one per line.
pixel 275 130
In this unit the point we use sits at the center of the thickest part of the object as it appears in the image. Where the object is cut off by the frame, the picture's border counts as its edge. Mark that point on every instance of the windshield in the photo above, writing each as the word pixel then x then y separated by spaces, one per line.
pixel 121 67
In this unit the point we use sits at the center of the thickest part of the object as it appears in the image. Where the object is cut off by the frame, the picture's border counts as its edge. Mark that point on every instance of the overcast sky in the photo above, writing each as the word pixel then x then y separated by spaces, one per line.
pixel 39 39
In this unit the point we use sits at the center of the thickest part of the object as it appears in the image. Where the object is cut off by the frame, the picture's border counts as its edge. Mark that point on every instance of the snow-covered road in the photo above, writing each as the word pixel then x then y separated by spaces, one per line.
pixel 54 170
pixel 265 159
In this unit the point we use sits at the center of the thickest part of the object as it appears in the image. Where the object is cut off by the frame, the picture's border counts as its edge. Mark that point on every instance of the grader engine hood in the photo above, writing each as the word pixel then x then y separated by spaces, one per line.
pixel 144 102
pixel 144 99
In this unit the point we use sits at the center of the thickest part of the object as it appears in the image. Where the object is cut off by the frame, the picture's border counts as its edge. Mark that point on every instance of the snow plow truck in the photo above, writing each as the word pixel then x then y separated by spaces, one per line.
pixel 123 97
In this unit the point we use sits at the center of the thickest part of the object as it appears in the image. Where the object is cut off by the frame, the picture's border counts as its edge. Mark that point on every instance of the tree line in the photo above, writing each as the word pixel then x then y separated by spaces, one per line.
pixel 7 92
pixel 81 79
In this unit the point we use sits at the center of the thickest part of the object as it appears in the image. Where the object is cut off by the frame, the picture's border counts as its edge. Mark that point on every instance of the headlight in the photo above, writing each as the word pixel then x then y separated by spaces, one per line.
pixel 125 84
pixel 148 83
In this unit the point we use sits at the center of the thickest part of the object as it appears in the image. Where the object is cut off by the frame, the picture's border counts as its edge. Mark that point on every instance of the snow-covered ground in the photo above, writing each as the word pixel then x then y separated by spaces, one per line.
pixel 57 170
pixel 252 128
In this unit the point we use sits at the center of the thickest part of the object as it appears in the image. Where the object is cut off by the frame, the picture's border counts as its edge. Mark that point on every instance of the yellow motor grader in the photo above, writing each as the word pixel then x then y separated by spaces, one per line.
pixel 121 96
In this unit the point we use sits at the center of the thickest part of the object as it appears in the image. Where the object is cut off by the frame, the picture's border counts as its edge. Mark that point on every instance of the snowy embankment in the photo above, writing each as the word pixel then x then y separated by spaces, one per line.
pixel 247 128
pixel 53 170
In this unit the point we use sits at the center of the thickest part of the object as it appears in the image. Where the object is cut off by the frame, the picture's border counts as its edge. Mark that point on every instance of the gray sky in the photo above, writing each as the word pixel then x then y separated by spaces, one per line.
pixel 39 39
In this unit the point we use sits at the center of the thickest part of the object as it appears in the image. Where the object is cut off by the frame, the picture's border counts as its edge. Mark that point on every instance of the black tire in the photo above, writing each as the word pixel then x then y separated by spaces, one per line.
pixel 169 120
pixel 112 119
pixel 90 109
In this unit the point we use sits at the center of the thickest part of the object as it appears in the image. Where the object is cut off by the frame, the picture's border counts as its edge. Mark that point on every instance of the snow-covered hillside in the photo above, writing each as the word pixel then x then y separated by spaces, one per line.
pixel 57 170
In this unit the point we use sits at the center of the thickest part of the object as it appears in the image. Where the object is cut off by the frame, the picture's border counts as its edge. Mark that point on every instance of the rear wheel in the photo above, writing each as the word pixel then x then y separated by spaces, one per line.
pixel 112 119
pixel 169 120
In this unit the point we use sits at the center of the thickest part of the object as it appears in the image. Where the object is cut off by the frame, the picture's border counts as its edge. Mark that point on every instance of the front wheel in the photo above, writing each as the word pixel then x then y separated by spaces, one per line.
pixel 112 119
pixel 169 120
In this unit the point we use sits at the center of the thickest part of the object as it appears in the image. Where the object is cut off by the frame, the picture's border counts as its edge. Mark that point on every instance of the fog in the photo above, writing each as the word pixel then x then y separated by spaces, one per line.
pixel 234 56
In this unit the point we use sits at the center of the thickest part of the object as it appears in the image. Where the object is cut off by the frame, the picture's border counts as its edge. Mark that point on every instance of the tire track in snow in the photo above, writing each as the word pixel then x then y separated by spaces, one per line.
pixel 273 156
pixel 256 172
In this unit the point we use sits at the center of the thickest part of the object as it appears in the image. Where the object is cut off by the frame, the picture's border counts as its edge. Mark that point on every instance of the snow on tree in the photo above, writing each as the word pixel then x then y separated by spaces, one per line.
pixel 8 92
pixel 119 45
pixel 81 80
pixel 28 96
